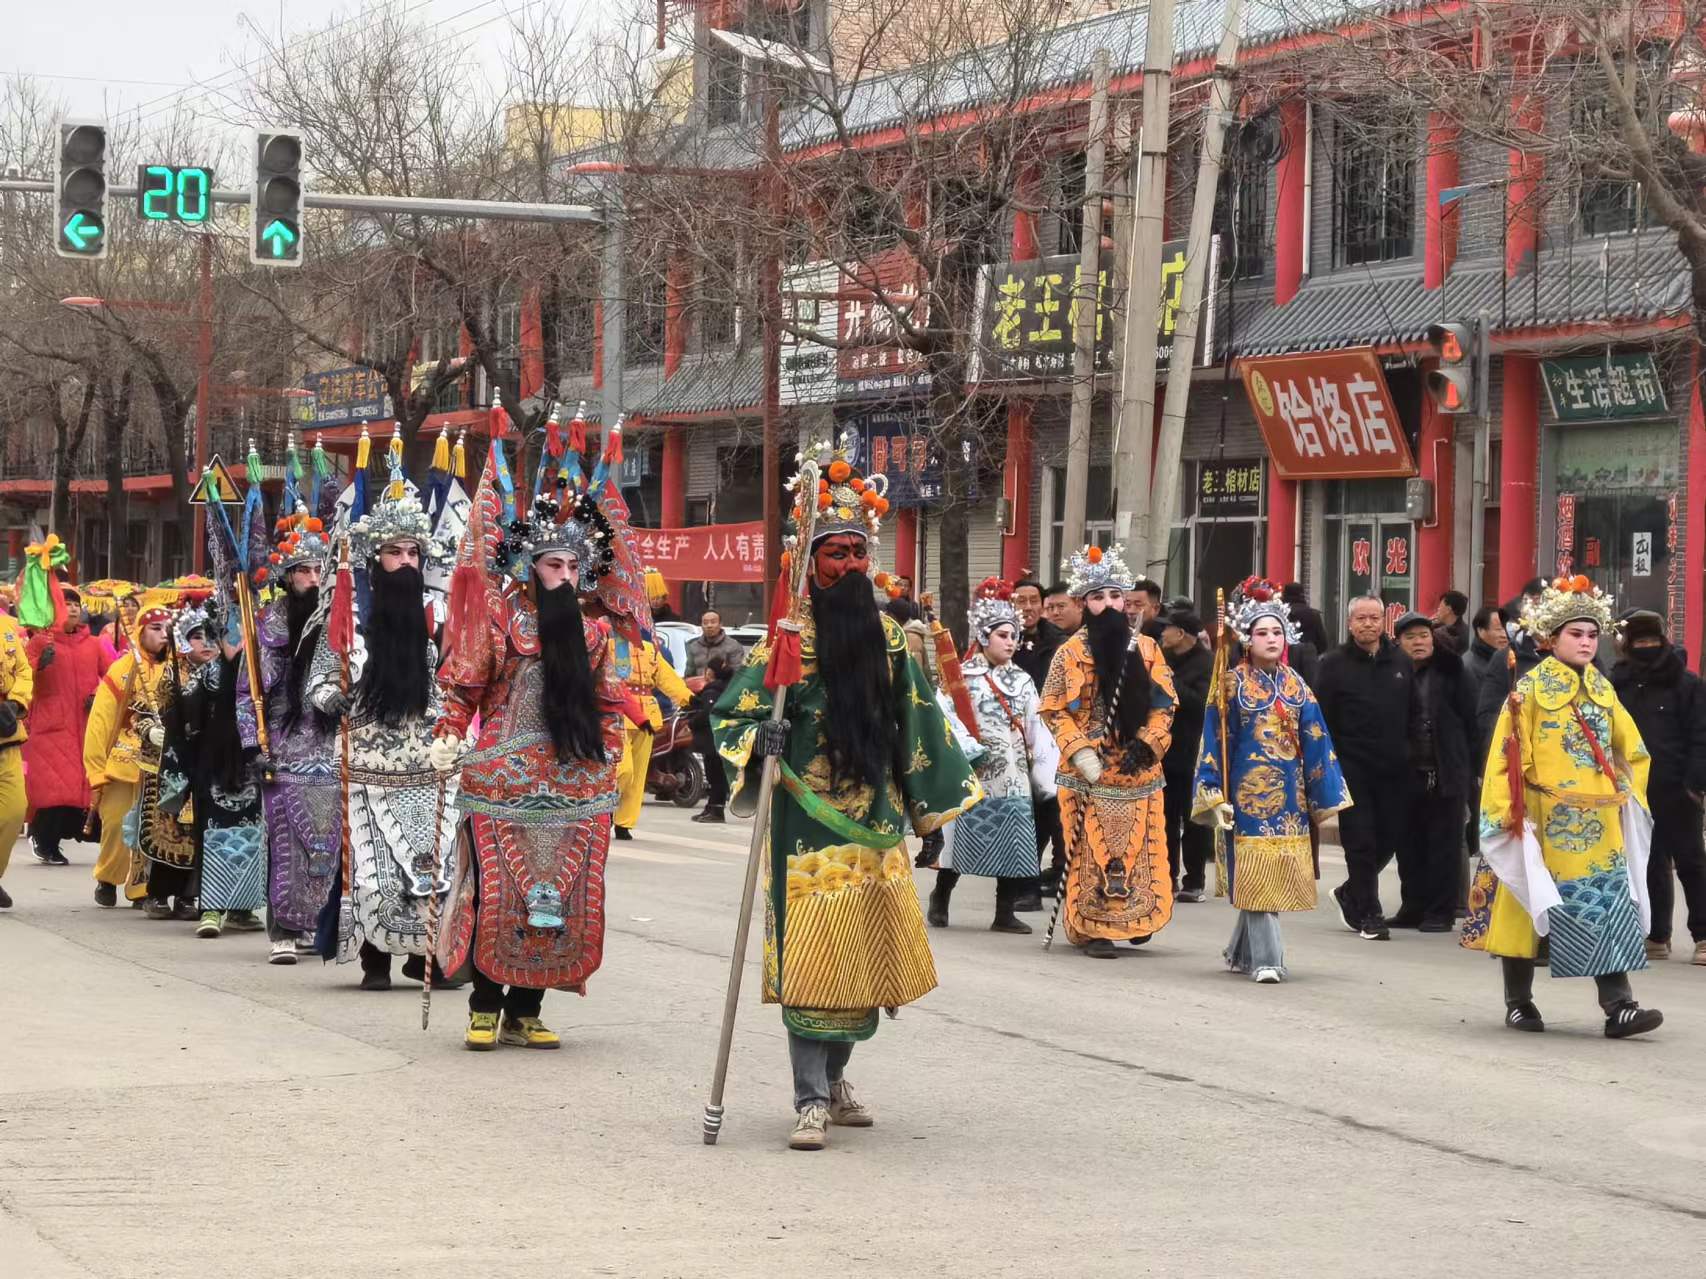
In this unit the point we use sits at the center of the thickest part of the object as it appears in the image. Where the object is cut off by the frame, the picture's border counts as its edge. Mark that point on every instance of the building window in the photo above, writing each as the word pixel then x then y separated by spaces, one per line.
pixel 714 314
pixel 1374 189
pixel 1098 521
pixel 724 75
pixel 1241 215
pixel 576 334
pixel 644 338
pixel 1069 205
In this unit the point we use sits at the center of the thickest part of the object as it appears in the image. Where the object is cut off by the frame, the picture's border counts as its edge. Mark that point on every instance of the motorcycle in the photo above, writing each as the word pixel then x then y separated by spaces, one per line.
pixel 676 773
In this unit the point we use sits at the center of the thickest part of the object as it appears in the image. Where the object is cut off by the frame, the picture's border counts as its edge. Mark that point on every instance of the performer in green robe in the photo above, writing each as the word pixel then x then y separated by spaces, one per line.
pixel 867 752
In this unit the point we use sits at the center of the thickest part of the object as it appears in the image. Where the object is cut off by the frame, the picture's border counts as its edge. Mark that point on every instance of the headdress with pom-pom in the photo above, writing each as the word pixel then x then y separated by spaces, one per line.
pixel 298 538
pixel 1095 569
pixel 1253 599
pixel 991 608
pixel 845 500
pixel 1566 600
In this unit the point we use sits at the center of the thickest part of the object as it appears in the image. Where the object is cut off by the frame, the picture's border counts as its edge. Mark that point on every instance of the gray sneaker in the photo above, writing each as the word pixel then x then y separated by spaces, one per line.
pixel 845 1109
pixel 810 1129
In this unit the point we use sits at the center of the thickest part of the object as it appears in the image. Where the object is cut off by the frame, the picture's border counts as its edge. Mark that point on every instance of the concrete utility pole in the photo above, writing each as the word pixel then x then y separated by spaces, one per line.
pixel 1134 424
pixel 1086 298
pixel 1165 484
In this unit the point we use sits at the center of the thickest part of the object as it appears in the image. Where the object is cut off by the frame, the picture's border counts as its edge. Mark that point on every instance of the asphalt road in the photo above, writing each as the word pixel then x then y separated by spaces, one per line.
pixel 176 1107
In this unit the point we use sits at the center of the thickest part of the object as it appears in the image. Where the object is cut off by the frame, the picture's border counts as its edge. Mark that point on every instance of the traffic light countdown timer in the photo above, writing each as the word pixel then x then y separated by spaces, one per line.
pixel 81 231
pixel 174 193
pixel 275 232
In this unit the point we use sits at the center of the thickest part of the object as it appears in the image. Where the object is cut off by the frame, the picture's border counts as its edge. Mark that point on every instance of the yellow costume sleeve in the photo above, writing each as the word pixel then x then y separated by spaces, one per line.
pixel 103 719
pixel 666 681
pixel 17 677
pixel 1627 746
pixel 1496 785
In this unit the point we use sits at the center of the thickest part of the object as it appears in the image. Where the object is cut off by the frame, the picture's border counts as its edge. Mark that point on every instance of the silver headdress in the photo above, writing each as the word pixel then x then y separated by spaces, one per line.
pixel 202 616
pixel 399 519
pixel 1096 569
pixel 582 530
pixel 992 608
pixel 1254 599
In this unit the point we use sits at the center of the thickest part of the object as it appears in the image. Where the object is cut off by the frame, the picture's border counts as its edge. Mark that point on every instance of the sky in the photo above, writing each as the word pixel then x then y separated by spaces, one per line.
pixel 124 54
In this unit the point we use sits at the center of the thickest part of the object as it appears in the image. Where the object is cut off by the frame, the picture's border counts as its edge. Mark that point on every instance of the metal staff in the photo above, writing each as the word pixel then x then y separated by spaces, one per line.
pixel 1217 696
pixel 252 660
pixel 770 736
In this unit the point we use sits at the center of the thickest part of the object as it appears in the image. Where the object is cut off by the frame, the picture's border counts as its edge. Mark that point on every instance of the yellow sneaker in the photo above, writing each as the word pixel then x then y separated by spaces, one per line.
pixel 528 1032
pixel 482 1034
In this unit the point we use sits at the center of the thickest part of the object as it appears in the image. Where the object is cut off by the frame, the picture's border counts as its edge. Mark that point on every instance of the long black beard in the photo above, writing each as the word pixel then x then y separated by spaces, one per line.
pixel 853 662
pixel 571 710
pixel 397 683
pixel 1119 671
pixel 298 649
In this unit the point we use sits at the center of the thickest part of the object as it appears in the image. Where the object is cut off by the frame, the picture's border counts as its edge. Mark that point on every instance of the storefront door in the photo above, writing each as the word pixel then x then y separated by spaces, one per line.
pixel 1614 490
pixel 1376 554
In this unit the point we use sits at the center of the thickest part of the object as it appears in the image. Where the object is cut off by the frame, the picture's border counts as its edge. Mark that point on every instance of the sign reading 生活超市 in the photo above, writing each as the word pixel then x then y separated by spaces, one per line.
pixel 1595 388
pixel 1327 415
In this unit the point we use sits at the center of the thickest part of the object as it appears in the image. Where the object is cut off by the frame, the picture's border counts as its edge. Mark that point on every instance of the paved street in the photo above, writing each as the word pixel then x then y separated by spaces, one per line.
pixel 175 1107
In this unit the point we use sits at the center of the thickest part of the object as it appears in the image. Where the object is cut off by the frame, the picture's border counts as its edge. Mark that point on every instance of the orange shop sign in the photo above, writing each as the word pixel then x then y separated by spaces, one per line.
pixel 1327 415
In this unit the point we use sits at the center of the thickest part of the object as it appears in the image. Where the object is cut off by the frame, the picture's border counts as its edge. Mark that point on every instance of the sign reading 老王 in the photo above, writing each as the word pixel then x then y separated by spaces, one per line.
pixel 1595 388
pixel 1026 312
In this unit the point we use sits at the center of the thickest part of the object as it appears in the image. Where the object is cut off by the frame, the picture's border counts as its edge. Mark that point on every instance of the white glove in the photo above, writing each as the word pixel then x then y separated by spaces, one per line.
pixel 444 752
pixel 1222 814
pixel 329 700
pixel 1088 764
pixel 156 735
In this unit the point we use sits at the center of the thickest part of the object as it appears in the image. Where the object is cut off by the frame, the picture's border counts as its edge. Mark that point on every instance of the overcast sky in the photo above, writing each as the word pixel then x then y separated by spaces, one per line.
pixel 138 53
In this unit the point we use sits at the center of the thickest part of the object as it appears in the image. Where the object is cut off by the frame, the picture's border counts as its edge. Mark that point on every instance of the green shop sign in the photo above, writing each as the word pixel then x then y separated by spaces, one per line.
pixel 1598 388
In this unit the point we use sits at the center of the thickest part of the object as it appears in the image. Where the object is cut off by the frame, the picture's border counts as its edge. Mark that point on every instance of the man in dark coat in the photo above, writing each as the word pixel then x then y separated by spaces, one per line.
pixel 1038 640
pixel 1497 677
pixel 1668 705
pixel 1449 623
pixel 1364 692
pixel 1441 779
pixel 1188 843
pixel 1311 629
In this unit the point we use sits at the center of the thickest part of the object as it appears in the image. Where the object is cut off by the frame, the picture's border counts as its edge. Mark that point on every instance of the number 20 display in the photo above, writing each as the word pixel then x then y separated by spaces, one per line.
pixel 174 193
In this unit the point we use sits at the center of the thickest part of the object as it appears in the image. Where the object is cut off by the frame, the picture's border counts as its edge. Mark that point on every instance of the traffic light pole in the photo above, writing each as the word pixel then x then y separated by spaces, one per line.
pixel 203 391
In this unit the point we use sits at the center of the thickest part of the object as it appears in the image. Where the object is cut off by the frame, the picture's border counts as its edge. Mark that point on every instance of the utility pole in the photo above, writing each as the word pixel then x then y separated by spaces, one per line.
pixel 1134 424
pixel 1086 298
pixel 203 391
pixel 1165 483
pixel 770 305
pixel 613 307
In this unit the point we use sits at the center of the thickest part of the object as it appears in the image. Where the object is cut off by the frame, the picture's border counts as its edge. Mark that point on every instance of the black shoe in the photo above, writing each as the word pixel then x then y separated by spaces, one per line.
pixel 187 910
pixel 1100 948
pixel 1374 929
pixel 157 908
pixel 936 913
pixel 1049 884
pixel 414 968
pixel 622 832
pixel 1629 1018
pixel 1405 919
pixel 5 900
pixel 1140 941
pixel 55 858
pixel 1029 902
pixel 376 980
pixel 1345 911
pixel 1188 895
pixel 106 895
pixel 1437 925
pixel 924 859
pixel 1525 1016
pixel 1010 924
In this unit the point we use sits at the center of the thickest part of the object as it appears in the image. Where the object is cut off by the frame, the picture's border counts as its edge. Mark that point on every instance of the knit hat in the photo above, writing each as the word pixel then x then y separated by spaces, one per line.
pixel 1641 623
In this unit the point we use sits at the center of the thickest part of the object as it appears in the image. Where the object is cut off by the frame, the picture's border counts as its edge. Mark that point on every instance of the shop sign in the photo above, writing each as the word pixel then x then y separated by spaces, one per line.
pixel 1229 488
pixel 871 360
pixel 1597 388
pixel 1327 415
pixel 709 553
pixel 1566 534
pixel 1026 313
pixel 345 397
pixel 811 307
pixel 1673 587
pixel 899 443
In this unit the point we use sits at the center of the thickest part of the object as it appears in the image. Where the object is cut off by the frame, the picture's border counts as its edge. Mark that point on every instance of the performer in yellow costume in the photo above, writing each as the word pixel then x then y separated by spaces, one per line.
pixel 17 682
pixel 646 673
pixel 126 709
pixel 1564 824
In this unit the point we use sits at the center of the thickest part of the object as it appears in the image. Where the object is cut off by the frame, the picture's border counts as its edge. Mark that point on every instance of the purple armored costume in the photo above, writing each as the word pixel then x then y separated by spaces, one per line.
pixel 303 812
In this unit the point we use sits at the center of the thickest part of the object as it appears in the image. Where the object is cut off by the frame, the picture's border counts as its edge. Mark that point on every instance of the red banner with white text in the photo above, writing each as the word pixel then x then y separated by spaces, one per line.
pixel 709 553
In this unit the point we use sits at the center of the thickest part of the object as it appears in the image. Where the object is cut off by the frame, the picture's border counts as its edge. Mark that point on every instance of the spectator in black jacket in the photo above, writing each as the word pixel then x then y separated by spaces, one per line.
pixel 1364 691
pixel 717 674
pixel 1668 705
pixel 1188 844
pixel 1497 678
pixel 1448 621
pixel 1039 637
pixel 1441 780
pixel 1310 628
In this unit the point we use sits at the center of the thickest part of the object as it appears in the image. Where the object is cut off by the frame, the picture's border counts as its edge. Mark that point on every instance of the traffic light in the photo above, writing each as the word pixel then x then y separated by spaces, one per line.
pixel 81 231
pixel 1453 384
pixel 275 230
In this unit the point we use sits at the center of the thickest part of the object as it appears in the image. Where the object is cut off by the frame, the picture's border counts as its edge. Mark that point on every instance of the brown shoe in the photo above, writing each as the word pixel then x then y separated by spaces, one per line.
pixel 1658 949
pixel 846 1110
pixel 1700 953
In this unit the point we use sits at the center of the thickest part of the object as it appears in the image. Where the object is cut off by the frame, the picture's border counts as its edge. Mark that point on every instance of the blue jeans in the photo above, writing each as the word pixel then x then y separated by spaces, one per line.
pixel 1256 943
pixel 817 1063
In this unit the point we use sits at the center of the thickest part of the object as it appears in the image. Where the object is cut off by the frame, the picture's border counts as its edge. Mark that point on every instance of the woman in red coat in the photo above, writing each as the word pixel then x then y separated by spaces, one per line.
pixel 68 663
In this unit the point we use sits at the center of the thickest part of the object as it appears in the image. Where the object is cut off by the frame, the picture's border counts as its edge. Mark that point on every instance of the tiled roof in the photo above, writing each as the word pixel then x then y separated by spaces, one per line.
pixel 1616 279
pixel 714 383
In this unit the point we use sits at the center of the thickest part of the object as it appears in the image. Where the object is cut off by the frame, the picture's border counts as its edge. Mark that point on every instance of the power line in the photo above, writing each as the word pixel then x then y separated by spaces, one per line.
pixel 92 79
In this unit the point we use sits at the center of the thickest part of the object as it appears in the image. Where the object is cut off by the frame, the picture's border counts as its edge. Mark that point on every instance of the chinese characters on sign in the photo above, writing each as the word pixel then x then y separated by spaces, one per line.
pixel 344 397
pixel 710 553
pixel 897 443
pixel 1566 533
pixel 1327 415
pixel 1361 549
pixel 1026 312
pixel 1594 388
pixel 1229 488
pixel 1641 560
pixel 1673 592
pixel 875 301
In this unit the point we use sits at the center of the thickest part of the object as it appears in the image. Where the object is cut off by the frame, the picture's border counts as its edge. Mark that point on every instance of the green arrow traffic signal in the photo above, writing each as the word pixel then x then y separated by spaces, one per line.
pixel 279 236
pixel 82 230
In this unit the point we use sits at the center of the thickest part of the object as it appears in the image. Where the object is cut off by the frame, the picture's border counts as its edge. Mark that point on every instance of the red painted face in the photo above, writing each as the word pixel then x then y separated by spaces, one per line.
pixel 838 555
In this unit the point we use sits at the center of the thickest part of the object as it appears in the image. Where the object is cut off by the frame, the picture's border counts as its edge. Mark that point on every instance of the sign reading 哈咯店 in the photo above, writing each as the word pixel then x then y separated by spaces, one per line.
pixel 1327 415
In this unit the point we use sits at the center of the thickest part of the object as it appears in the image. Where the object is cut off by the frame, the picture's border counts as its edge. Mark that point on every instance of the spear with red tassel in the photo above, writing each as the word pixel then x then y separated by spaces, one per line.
pixel 783 672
